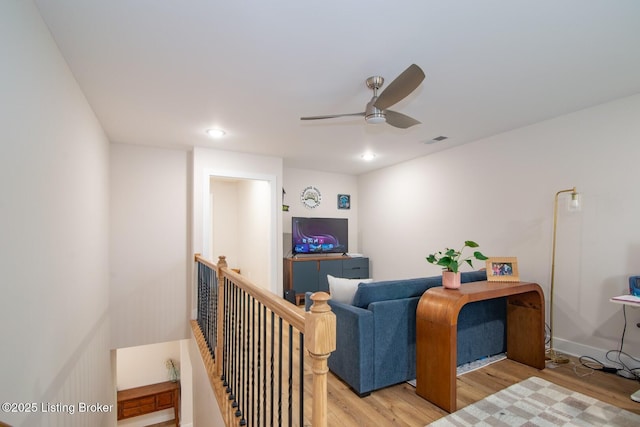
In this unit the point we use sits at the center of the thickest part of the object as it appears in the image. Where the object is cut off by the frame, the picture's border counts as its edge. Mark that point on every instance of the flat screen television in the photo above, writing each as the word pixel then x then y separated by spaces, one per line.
pixel 319 235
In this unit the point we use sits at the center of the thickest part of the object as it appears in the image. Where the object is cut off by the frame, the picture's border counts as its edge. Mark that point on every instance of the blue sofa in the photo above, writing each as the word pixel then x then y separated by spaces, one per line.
pixel 376 334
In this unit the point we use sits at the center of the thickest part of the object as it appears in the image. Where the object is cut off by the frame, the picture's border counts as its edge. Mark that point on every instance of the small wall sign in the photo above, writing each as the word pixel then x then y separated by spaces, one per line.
pixel 311 197
pixel 344 201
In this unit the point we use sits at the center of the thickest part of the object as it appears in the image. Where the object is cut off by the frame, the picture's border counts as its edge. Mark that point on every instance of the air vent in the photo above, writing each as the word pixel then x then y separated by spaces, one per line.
pixel 436 139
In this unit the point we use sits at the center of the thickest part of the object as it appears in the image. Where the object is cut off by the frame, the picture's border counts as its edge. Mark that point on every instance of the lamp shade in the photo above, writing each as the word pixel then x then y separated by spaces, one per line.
pixel 575 202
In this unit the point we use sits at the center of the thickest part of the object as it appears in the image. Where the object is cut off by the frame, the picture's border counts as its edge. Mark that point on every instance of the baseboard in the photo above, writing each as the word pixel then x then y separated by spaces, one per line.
pixel 576 349
pixel 572 348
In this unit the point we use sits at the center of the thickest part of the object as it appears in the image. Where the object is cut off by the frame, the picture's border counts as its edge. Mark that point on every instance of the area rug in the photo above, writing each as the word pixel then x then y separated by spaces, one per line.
pixel 536 402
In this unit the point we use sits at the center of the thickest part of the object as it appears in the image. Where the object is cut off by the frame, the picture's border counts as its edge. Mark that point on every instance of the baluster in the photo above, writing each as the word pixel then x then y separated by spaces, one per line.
pixel 264 371
pixel 199 296
pixel 252 394
pixel 290 379
pixel 259 366
pixel 212 312
pixel 242 353
pixel 272 370
pixel 279 371
pixel 245 358
pixel 301 373
pixel 225 334
pixel 234 349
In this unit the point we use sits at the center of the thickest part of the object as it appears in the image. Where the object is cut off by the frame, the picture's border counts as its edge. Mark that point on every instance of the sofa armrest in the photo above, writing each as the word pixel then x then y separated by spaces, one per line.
pixel 352 360
pixel 395 341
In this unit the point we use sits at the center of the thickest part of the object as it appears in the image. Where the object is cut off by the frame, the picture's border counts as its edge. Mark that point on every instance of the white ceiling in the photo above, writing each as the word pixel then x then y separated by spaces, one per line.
pixel 160 72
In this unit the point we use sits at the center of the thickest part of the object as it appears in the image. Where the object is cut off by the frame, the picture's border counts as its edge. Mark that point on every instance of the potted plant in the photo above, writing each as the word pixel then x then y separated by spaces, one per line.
pixel 450 260
pixel 174 373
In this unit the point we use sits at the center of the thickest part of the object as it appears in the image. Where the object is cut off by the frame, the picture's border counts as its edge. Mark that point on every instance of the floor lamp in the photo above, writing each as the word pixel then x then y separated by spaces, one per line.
pixel 574 205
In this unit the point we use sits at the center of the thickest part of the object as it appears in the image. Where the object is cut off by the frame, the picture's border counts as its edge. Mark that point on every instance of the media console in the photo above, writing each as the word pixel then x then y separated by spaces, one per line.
pixel 309 273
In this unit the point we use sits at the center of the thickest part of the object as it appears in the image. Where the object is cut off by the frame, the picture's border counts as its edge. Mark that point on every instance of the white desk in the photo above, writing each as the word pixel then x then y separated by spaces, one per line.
pixel 631 301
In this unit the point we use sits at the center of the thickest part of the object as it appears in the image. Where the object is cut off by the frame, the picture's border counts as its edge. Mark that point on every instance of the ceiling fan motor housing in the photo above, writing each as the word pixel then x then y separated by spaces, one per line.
pixel 374 115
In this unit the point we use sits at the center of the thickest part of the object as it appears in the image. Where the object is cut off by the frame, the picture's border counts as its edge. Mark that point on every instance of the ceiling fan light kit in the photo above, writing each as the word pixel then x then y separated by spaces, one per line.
pixel 376 111
pixel 374 115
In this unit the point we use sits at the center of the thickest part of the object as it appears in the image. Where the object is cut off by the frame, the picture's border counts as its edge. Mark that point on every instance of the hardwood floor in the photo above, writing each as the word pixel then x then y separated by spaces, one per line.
pixel 399 405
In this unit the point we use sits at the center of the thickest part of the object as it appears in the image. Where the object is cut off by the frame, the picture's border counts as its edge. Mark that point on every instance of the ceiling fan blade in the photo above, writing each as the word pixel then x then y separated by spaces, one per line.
pixel 402 86
pixel 400 120
pixel 332 116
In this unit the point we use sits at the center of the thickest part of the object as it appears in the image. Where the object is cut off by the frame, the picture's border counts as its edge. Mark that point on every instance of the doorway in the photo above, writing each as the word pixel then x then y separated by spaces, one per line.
pixel 239 224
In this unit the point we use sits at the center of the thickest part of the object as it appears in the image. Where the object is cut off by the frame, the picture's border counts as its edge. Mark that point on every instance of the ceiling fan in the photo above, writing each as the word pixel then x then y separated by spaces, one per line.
pixel 376 111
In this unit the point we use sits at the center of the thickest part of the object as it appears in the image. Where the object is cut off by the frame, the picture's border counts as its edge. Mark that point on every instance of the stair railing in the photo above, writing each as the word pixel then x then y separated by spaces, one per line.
pixel 254 345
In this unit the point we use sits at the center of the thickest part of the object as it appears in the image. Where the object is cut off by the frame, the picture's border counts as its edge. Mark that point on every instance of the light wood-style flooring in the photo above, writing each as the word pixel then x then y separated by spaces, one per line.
pixel 399 405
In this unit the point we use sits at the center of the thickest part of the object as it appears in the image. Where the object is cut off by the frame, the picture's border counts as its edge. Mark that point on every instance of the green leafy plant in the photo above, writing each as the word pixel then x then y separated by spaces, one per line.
pixel 451 259
pixel 174 373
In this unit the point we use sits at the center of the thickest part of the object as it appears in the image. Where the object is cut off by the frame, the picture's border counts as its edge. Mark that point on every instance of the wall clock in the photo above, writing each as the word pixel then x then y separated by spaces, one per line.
pixel 311 197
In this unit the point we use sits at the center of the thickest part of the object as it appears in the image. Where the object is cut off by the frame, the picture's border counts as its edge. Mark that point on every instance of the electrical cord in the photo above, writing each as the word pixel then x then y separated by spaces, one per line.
pixel 620 368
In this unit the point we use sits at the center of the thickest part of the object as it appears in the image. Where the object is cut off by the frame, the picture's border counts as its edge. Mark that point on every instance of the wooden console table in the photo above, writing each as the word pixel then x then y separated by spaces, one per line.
pixel 437 332
pixel 137 401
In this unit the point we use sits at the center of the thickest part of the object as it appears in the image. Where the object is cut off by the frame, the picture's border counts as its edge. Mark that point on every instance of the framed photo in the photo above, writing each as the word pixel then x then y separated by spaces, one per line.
pixel 344 201
pixel 503 269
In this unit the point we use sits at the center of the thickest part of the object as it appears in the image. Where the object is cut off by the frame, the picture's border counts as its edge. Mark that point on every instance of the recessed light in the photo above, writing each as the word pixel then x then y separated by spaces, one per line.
pixel 367 157
pixel 216 133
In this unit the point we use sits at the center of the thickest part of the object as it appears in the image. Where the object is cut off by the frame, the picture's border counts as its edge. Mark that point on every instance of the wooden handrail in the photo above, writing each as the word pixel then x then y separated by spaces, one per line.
pixel 199 258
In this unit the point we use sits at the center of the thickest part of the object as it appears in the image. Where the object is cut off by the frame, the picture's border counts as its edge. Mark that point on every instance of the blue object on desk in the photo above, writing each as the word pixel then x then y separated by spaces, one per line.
pixel 634 285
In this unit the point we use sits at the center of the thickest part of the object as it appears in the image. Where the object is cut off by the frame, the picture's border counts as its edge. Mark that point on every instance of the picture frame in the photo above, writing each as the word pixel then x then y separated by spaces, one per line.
pixel 344 201
pixel 502 269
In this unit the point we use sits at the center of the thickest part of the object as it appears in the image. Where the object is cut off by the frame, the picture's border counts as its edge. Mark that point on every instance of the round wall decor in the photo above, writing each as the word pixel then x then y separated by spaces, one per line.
pixel 311 197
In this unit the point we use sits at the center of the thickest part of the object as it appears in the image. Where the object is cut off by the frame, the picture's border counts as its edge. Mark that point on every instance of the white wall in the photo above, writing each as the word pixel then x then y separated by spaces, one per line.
pixel 146 364
pixel 54 320
pixel 329 185
pixel 499 191
pixel 240 227
pixel 254 208
pixel 148 245
pixel 206 412
pixel 224 220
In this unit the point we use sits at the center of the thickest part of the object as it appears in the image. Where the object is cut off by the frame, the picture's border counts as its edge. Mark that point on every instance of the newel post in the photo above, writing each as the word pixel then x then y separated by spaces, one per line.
pixel 320 340
pixel 222 262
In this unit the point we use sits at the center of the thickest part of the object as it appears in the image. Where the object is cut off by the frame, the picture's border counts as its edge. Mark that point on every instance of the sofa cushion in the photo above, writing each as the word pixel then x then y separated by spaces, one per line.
pixel 342 290
pixel 407 288
pixel 392 289
pixel 473 276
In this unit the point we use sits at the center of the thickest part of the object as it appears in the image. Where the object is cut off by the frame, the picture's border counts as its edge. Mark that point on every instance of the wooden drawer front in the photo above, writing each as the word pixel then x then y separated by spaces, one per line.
pixel 144 405
pixel 143 401
pixel 355 268
pixel 164 400
pixel 138 410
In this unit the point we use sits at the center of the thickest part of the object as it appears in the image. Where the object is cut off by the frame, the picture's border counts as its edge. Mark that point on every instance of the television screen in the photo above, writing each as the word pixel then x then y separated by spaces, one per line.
pixel 319 235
